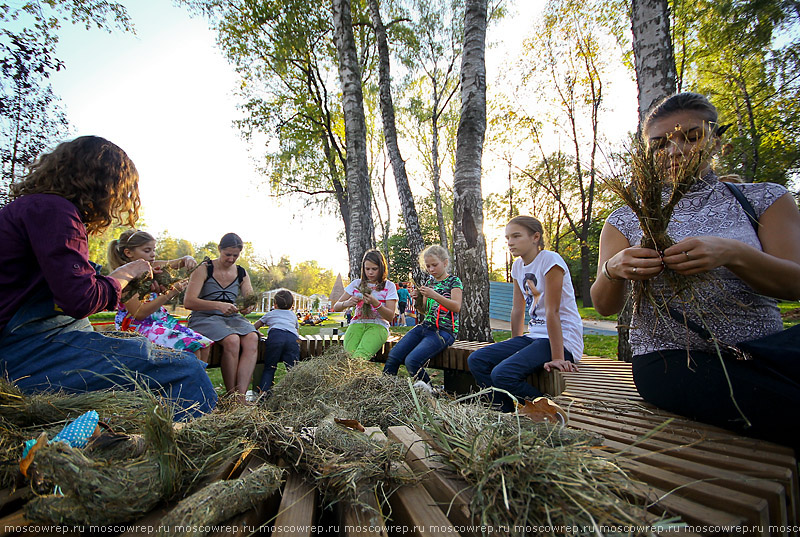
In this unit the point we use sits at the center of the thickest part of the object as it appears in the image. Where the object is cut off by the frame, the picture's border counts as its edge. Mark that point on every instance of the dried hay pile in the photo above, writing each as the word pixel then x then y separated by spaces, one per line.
pixel 522 473
pixel 527 474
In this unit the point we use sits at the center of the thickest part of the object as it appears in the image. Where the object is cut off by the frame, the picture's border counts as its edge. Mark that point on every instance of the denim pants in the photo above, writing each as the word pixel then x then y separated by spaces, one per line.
pixel 507 364
pixel 42 350
pixel 281 345
pixel 415 349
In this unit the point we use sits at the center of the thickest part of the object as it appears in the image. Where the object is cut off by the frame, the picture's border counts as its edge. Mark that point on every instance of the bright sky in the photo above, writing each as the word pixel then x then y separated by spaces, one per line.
pixel 165 95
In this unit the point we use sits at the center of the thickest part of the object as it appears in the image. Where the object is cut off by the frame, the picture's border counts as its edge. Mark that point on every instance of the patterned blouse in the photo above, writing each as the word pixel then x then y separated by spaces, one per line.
pixel 436 314
pixel 729 308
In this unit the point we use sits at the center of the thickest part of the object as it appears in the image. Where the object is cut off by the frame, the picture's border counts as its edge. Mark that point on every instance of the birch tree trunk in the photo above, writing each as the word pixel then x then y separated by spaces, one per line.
pixel 359 195
pixel 652 51
pixel 469 242
pixel 656 78
pixel 413 232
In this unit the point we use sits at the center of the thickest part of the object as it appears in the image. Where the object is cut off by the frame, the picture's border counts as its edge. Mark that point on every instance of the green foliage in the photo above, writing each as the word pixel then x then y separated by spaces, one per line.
pixel 745 55
pixel 31 119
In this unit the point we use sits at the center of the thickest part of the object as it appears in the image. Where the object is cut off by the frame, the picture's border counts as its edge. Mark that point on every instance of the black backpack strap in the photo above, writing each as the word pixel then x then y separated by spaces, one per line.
pixel 746 205
pixel 240 273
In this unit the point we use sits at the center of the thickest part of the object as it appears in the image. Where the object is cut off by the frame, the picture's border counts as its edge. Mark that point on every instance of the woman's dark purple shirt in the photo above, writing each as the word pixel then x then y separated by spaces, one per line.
pixel 43 243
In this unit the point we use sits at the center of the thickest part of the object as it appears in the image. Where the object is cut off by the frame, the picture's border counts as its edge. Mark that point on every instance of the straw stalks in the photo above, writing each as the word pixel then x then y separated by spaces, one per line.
pixel 221 500
pixel 527 474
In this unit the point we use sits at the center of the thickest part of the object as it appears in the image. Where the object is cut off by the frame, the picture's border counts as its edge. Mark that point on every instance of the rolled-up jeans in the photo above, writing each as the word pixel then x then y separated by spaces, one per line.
pixel 44 350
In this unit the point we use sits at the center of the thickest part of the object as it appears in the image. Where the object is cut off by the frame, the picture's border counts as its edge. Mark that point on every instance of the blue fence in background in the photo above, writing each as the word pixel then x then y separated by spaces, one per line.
pixel 500 300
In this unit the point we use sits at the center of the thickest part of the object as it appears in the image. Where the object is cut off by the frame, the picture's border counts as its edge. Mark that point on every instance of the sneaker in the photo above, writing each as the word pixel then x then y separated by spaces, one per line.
pixel 424 386
pixel 250 396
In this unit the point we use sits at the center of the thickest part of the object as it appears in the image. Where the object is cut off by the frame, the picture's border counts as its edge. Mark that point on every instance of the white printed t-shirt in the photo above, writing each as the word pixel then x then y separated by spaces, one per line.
pixel 530 279
pixel 389 292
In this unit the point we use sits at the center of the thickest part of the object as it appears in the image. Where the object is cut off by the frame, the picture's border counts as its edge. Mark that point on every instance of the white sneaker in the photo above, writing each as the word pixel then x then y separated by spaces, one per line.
pixel 250 396
pixel 424 386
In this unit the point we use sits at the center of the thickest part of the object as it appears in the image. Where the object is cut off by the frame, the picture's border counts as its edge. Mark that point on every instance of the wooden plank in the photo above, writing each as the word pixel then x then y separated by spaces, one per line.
pixel 357 522
pixel 451 495
pixel 413 510
pixel 298 509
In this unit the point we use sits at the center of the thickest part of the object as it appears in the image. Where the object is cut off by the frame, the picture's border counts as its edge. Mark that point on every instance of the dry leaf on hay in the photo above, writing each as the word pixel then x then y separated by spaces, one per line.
pixel 353 425
pixel 544 410
pixel 25 463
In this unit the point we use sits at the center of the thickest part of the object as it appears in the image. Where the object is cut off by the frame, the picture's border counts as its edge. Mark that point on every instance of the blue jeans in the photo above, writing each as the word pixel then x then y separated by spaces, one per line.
pixel 507 364
pixel 415 349
pixel 43 350
pixel 281 345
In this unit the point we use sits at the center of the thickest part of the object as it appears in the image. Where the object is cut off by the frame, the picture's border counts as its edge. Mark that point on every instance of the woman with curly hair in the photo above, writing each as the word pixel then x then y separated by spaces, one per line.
pixel 48 286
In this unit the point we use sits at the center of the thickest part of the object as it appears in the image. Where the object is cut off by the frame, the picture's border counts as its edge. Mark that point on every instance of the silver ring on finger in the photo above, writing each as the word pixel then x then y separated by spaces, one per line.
pixel 633 270
pixel 687 255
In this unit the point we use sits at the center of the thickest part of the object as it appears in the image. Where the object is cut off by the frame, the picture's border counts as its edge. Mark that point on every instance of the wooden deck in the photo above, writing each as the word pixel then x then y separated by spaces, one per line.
pixel 706 475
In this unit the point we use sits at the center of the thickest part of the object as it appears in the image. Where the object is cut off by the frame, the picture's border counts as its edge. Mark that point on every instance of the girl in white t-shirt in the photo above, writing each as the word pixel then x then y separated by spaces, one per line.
pixel 373 298
pixel 554 338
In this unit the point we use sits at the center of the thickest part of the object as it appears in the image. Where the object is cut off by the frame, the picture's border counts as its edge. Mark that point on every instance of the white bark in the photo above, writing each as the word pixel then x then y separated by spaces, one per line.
pixel 413 232
pixel 469 241
pixel 652 50
pixel 361 237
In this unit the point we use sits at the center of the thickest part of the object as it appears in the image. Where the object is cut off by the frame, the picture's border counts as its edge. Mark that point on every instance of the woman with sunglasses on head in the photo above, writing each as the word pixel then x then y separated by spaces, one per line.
pixel 747 267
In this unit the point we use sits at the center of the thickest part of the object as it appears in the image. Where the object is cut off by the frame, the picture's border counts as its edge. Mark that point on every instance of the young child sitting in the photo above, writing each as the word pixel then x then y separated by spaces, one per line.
pixel 282 338
pixel 149 317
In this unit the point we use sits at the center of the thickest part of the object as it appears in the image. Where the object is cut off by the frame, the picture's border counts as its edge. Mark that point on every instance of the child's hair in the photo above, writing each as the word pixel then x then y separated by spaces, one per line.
pixel 375 256
pixel 436 251
pixel 129 239
pixel 92 173
pixel 681 102
pixel 532 225
pixel 230 240
pixel 284 299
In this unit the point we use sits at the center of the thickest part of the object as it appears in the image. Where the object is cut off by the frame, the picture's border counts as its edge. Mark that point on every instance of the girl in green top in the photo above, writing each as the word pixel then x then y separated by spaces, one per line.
pixel 439 328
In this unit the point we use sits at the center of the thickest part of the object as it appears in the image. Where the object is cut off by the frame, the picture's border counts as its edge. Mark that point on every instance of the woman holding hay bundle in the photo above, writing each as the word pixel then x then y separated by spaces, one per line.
pixel 373 298
pixel 554 340
pixel 740 272
pixel 211 295
pixel 48 286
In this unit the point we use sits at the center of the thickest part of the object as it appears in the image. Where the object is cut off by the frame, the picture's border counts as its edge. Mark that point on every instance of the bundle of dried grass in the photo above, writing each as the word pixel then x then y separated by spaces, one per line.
pixel 652 191
pixel 77 489
pixel 221 500
pixel 353 387
pixel 345 465
pixel 525 474
pixel 121 408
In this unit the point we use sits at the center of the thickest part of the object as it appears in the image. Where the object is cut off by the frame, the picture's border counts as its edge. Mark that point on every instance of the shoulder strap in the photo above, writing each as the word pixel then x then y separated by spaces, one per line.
pixel 210 268
pixel 746 205
pixel 240 274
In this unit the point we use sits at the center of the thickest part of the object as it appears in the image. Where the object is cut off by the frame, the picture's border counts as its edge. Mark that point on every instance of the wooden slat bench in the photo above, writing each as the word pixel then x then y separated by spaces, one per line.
pixel 705 475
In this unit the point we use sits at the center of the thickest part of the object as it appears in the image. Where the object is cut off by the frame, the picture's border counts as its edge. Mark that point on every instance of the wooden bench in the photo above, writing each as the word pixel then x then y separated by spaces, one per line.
pixel 706 475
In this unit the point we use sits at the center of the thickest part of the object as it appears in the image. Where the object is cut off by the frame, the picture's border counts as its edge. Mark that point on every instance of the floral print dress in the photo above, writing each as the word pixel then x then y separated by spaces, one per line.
pixel 162 329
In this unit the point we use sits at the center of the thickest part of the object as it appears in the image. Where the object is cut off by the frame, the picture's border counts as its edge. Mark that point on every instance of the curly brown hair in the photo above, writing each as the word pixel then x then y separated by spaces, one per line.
pixel 94 174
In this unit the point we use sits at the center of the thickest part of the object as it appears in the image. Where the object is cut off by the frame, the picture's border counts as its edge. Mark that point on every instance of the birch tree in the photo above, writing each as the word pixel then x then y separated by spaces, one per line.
pixel 468 238
pixel 361 236
pixel 409 210
pixel 654 60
